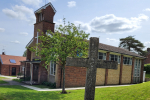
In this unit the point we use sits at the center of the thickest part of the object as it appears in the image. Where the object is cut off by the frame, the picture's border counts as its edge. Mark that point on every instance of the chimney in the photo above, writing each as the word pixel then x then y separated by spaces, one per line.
pixel 3 53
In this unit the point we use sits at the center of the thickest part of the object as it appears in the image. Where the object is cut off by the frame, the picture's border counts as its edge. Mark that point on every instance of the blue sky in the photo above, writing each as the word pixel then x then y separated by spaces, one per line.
pixel 108 19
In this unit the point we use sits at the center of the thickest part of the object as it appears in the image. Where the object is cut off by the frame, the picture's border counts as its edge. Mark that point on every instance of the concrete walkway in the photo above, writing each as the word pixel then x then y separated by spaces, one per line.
pixel 77 88
pixel 10 81
pixel 8 77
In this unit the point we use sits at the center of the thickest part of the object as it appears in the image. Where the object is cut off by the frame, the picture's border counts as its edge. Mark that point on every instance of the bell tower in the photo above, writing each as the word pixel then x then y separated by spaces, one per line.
pixel 44 19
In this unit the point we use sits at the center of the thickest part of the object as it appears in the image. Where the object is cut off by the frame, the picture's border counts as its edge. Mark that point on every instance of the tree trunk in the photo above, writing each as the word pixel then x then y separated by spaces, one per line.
pixel 63 87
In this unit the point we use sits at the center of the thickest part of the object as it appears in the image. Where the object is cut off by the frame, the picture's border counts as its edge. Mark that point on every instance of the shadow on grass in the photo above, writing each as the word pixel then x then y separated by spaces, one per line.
pixel 21 93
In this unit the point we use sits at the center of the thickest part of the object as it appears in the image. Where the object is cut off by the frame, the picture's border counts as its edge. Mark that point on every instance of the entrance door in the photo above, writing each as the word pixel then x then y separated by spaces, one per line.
pixel 137 70
pixel 13 71
pixel 35 72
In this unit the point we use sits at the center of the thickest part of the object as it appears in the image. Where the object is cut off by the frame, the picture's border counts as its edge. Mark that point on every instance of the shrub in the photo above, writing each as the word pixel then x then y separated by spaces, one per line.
pixel 52 85
pixel 147 69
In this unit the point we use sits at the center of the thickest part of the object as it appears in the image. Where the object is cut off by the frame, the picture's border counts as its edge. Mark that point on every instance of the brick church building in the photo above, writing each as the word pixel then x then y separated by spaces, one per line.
pixel 130 65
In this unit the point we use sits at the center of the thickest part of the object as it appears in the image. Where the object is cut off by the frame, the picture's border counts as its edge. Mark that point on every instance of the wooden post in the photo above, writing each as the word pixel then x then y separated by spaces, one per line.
pixel 132 70
pixel 121 67
pixel 106 70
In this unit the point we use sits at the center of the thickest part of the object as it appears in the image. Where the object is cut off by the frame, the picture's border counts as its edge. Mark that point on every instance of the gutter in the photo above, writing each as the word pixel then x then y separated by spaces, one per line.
pixel 122 53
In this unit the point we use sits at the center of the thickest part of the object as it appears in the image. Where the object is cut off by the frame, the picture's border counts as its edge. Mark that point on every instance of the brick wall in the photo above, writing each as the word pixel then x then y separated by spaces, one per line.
pixel 74 76
pixel 42 73
pixel 113 76
pixel 0 67
pixel 100 76
pixel 126 74
pixel 7 69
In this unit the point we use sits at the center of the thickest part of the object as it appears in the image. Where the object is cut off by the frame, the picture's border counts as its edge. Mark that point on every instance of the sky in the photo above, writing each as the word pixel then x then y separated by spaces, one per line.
pixel 109 20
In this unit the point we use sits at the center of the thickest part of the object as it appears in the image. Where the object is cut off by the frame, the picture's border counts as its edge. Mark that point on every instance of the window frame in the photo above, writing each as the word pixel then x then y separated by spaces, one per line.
pixel 54 68
pixel 115 56
pixel 103 55
pixel 128 60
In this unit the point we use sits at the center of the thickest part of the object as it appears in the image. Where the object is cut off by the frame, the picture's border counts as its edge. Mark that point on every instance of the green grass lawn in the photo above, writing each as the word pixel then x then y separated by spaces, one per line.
pixel 134 92
pixel 147 75
pixel 2 82
pixel 3 77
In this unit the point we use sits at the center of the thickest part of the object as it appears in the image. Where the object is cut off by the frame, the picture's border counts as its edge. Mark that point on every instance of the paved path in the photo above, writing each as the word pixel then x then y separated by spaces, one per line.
pixel 10 81
pixel 8 77
pixel 46 89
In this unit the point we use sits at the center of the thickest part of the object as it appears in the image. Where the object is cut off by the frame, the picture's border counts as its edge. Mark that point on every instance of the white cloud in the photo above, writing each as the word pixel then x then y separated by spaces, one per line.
pixel 23 33
pixel 112 40
pixel 2 29
pixel 71 4
pixel 32 2
pixel 21 13
pixel 147 44
pixel 17 42
pixel 36 2
pixel 112 24
pixel 147 9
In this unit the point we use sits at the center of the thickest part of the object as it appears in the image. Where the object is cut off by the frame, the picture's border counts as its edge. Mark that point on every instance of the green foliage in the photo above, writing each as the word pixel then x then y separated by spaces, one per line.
pixel 147 75
pixel 147 69
pixel 52 85
pixel 133 92
pixel 131 44
pixel 19 74
pixel 63 43
pixel 2 82
pixel 25 53
pixel 18 80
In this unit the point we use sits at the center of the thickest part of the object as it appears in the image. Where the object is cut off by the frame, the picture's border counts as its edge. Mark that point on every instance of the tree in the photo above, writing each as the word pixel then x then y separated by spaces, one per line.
pixel 131 44
pixel 67 41
pixel 25 53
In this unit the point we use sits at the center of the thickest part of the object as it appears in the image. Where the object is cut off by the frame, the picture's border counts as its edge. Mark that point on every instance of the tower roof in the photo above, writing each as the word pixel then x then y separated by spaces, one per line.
pixel 44 7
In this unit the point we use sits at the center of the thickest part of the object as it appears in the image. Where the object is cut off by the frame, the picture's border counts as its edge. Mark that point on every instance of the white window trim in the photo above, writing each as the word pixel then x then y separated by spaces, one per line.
pixel 53 69
pixel 103 55
pixel 117 57
pixel 129 61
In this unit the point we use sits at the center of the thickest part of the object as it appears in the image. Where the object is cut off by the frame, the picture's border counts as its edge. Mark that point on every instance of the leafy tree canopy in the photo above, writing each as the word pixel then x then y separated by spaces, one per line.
pixel 131 44
pixel 67 41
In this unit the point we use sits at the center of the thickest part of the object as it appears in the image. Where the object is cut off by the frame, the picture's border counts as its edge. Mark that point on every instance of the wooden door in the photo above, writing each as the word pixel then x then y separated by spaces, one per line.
pixel 13 71
pixel 35 72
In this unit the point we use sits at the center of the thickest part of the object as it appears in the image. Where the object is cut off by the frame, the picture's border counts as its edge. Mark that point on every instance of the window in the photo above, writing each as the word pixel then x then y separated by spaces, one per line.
pixel 127 60
pixel 102 56
pixel 52 68
pixel 22 68
pixel 79 52
pixel 114 58
pixel 12 60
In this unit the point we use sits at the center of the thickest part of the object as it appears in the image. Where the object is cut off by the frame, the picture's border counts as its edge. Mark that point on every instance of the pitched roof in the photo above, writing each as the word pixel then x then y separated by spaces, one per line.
pixel 6 59
pixel 44 7
pixel 117 50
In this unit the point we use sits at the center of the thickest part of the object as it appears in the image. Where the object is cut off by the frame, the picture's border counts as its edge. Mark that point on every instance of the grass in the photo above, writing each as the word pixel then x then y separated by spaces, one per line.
pixel 12 76
pixel 134 92
pixel 147 75
pixel 18 80
pixel 42 86
pixel 3 77
pixel 2 82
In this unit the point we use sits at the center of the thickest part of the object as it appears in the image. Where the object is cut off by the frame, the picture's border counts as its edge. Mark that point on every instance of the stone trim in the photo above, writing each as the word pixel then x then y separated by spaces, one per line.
pixel 106 70
pixel 121 68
